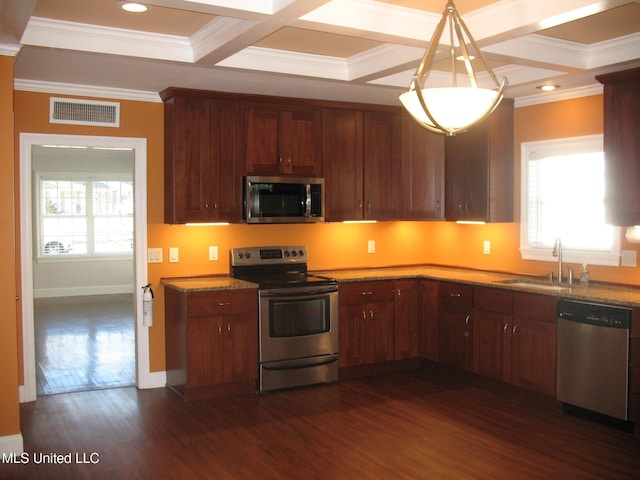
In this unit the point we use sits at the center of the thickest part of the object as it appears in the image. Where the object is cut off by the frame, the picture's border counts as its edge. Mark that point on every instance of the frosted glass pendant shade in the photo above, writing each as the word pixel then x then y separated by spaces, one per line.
pixel 453 108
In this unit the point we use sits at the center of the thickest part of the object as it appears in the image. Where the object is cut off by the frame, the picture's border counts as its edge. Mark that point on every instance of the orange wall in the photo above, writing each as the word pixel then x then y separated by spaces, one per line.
pixel 10 415
pixel 331 245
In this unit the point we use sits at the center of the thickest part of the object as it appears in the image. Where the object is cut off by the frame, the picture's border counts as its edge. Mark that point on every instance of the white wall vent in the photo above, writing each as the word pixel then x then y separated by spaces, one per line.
pixel 84 112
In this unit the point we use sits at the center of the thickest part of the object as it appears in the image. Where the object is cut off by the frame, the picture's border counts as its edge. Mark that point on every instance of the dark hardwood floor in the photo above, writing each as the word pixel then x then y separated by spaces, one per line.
pixel 84 343
pixel 432 423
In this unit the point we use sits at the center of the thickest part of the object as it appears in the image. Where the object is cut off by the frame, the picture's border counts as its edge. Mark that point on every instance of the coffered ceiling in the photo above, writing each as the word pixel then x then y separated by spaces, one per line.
pixel 348 50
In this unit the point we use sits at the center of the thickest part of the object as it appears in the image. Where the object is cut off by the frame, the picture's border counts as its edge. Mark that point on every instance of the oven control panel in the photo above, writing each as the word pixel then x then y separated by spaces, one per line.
pixel 268 255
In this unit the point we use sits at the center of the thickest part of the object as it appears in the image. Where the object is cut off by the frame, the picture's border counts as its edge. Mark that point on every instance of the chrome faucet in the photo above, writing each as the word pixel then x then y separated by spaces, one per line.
pixel 557 252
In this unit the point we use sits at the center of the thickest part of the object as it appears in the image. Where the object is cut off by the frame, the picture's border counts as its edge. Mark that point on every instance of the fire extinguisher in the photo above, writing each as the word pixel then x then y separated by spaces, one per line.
pixel 147 306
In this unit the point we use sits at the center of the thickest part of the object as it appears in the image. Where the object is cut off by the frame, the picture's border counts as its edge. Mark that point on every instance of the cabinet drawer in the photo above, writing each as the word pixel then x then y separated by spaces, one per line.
pixel 366 292
pixel 534 306
pixel 493 300
pixel 456 294
pixel 221 302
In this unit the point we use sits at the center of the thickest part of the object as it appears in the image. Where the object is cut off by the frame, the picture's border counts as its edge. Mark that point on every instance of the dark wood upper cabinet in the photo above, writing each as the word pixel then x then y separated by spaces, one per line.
pixel 622 146
pixel 422 172
pixel 283 140
pixel 479 170
pixel 361 164
pixel 203 160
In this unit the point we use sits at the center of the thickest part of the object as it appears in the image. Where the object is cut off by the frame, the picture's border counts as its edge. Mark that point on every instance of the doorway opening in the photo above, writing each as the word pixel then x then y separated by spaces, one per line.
pixel 83 238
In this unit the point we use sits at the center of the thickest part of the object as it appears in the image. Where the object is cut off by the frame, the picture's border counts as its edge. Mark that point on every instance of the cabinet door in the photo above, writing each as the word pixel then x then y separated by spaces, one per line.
pixel 422 172
pixel 533 355
pixel 205 351
pixel 263 148
pixel 301 142
pixel 622 147
pixel 240 347
pixel 381 332
pixel 342 164
pixel 382 166
pixel 492 344
pixel 429 319
pixel 186 159
pixel 466 174
pixel 353 335
pixel 405 317
pixel 455 346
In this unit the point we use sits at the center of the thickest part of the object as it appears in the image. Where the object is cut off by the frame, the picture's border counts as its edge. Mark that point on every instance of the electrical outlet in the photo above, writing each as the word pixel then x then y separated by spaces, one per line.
pixel 173 255
pixel 154 255
pixel 486 247
pixel 213 253
pixel 628 258
pixel 371 246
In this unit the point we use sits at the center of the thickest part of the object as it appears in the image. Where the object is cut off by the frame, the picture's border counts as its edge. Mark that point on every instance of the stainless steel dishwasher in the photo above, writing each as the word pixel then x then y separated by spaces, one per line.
pixel 593 361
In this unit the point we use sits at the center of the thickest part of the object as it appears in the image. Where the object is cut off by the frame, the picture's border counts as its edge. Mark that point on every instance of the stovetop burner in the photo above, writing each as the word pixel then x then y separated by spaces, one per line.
pixel 274 267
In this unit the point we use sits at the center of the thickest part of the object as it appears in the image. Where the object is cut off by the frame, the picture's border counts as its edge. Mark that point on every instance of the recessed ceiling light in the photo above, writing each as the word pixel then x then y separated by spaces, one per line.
pixel 547 88
pixel 134 7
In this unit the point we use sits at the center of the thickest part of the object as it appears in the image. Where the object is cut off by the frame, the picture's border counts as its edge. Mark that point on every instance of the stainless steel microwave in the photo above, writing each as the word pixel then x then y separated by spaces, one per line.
pixel 283 199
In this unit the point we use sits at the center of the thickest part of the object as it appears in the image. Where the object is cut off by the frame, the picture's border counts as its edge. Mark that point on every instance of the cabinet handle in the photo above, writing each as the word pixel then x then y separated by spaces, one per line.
pixel 466 321
pixel 515 328
pixel 437 205
pixel 219 328
pixel 359 205
pixel 224 304
pixel 504 329
pixel 280 160
pixel 455 295
pixel 228 329
pixel 364 315
pixel 289 161
pixel 366 293
pixel 398 292
pixel 371 313
pixel 368 205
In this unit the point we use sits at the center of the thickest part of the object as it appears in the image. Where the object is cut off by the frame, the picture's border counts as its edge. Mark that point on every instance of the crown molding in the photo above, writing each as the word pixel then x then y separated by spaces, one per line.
pixel 9 49
pixel 559 95
pixel 85 91
pixel 44 32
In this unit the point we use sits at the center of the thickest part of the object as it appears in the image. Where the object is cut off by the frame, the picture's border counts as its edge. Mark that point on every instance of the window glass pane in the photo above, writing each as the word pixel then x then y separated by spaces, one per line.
pixel 567 200
pixel 64 222
pixel 113 216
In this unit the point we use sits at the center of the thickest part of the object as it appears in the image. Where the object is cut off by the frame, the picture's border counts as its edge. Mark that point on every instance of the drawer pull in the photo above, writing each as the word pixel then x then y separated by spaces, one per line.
pixel 366 293
pixel 224 304
pixel 455 295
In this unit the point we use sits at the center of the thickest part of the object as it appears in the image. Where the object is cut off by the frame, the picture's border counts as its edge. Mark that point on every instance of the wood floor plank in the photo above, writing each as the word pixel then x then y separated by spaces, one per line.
pixel 433 423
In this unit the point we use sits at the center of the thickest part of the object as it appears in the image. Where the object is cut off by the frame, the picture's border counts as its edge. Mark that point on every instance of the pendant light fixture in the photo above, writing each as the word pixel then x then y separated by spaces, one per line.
pixel 454 108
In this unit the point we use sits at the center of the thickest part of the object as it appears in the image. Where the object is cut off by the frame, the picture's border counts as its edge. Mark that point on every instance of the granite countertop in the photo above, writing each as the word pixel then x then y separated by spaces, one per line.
pixel 626 296
pixel 203 284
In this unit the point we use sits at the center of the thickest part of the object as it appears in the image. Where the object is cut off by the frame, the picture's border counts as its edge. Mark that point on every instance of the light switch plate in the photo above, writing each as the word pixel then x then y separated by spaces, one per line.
pixel 173 255
pixel 154 255
pixel 486 247
pixel 628 258
pixel 371 246
pixel 213 253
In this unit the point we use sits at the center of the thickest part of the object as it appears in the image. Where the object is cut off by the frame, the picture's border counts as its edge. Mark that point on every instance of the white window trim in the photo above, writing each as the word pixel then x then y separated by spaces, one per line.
pixel 528 252
pixel 72 257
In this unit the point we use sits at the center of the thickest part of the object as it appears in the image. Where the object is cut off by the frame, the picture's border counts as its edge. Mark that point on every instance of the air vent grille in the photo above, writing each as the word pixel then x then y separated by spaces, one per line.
pixel 84 112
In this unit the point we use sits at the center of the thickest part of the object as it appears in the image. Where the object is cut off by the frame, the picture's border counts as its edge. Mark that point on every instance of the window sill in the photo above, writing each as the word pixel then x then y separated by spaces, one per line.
pixel 611 259
pixel 67 258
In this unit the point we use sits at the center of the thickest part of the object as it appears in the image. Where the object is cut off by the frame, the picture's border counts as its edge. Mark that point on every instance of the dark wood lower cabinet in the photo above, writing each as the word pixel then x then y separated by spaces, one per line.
pixel 211 342
pixel 366 323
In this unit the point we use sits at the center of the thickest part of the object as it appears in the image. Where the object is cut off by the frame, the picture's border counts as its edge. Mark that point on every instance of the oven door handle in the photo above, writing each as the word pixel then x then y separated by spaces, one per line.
pixel 296 291
pixel 297 364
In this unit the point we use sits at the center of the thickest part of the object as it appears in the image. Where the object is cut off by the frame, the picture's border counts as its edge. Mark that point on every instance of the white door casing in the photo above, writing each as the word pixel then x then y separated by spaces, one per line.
pixel 139 145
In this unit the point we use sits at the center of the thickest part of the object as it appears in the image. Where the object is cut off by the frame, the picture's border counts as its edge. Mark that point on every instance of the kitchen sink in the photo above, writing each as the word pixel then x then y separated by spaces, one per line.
pixel 537 285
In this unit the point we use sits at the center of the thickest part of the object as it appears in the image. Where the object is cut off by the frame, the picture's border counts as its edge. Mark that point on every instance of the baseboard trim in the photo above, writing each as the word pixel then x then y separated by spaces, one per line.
pixel 11 444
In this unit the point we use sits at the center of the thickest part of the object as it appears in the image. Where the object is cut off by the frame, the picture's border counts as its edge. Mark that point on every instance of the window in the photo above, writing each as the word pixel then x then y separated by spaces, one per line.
pixel 84 215
pixel 563 196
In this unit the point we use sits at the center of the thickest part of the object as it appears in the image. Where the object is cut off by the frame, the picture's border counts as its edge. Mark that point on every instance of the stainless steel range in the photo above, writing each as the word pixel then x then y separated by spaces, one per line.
pixel 298 316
